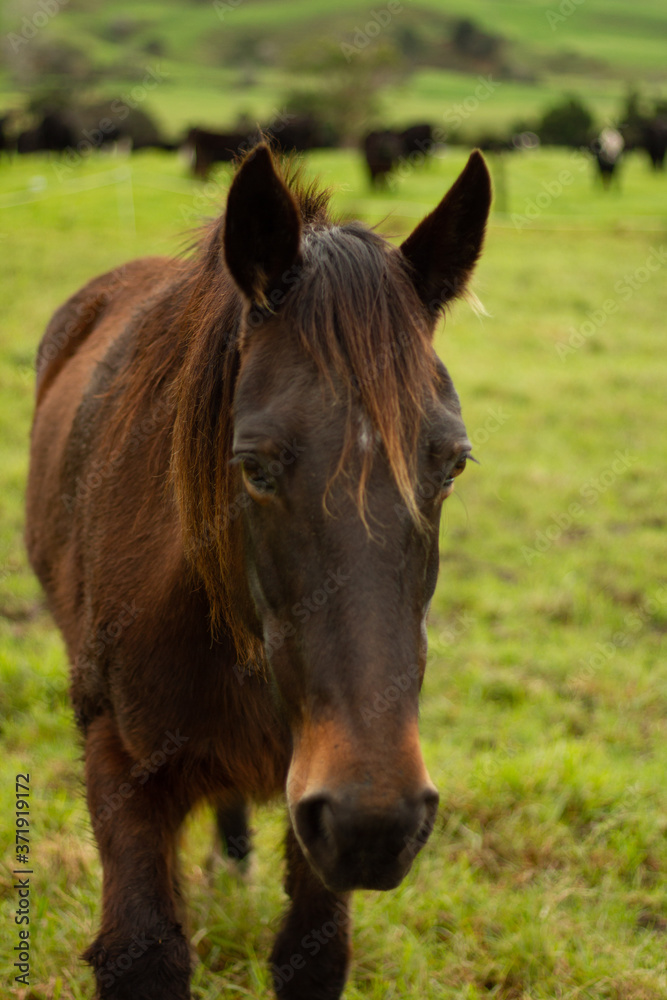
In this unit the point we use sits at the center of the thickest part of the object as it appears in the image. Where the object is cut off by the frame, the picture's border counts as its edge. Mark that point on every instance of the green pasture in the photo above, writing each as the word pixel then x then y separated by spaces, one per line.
pixel 211 96
pixel 449 101
pixel 544 713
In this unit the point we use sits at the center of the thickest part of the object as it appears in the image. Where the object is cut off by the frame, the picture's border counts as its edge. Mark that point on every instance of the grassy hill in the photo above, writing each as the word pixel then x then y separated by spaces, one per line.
pixel 218 60
pixel 625 37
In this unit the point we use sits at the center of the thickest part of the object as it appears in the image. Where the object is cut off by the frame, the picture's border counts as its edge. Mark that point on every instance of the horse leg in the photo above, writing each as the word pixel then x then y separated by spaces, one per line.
pixel 140 952
pixel 232 836
pixel 311 953
pixel 232 822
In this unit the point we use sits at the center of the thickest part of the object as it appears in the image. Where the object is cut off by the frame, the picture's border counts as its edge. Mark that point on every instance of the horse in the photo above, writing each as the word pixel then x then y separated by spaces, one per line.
pixel 238 464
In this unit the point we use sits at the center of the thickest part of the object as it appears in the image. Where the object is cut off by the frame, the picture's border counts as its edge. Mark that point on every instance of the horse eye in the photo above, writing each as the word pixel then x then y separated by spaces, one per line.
pixel 460 466
pixel 257 477
pixel 457 469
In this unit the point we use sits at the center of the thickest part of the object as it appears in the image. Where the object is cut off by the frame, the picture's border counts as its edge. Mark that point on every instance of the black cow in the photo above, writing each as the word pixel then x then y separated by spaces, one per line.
pixel 208 148
pixel 55 133
pixel 6 144
pixel 417 139
pixel 299 133
pixel 384 149
pixel 654 141
pixel 294 133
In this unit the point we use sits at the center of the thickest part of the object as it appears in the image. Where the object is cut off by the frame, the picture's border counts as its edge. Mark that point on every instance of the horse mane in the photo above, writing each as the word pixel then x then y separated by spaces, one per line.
pixel 358 317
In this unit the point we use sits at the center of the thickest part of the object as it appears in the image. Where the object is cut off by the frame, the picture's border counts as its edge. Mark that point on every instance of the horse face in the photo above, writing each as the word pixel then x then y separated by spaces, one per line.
pixel 342 599
pixel 341 584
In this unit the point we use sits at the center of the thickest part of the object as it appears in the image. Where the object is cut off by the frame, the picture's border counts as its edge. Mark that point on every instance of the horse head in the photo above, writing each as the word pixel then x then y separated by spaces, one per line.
pixel 347 438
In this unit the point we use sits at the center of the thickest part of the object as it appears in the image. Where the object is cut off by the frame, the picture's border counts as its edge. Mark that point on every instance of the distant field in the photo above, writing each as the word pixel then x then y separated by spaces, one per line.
pixel 217 62
pixel 544 713
pixel 440 97
pixel 626 36
pixel 215 98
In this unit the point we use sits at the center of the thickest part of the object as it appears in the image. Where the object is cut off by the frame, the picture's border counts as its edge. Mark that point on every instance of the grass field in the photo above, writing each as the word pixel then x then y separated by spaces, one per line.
pixel 545 704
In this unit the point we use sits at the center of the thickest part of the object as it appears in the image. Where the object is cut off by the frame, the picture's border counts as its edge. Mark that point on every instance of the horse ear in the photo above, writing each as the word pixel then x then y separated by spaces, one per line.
pixel 262 228
pixel 446 245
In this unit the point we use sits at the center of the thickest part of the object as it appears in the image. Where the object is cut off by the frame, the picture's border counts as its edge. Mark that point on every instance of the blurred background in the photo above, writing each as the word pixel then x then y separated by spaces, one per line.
pixel 80 76
pixel 545 703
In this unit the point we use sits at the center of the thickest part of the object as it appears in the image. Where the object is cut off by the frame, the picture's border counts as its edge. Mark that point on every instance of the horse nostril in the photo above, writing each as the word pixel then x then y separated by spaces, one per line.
pixel 325 825
pixel 430 802
pixel 427 814
pixel 314 817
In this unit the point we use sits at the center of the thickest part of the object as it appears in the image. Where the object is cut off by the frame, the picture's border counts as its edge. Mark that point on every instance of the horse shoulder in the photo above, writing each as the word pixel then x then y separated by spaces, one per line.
pixel 72 324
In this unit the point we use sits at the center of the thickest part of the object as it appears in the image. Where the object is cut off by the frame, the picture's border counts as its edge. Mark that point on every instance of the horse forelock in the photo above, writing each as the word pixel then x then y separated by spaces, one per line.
pixel 359 318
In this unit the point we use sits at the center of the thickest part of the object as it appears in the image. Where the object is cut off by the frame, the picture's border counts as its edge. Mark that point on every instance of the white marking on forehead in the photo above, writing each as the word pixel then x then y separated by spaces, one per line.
pixel 366 438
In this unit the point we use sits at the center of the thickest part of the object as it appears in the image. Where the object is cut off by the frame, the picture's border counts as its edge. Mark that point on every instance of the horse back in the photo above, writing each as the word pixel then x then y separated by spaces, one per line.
pixel 95 324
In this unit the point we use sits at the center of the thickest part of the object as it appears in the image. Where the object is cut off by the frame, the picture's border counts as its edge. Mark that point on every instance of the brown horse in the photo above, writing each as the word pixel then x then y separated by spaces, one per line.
pixel 238 466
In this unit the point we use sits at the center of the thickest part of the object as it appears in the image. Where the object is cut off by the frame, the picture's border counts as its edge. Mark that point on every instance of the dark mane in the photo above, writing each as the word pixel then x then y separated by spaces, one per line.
pixel 358 317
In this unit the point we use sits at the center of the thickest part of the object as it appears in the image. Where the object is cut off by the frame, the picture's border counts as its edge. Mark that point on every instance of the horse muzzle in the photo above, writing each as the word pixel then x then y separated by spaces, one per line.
pixel 361 801
pixel 353 846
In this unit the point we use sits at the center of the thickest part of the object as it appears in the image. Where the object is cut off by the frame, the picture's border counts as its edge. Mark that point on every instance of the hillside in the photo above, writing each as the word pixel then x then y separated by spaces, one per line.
pixel 217 60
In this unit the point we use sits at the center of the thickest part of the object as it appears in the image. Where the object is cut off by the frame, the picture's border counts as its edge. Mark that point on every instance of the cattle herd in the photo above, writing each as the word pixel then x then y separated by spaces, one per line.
pixel 68 132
